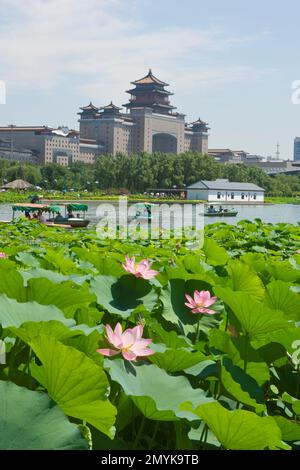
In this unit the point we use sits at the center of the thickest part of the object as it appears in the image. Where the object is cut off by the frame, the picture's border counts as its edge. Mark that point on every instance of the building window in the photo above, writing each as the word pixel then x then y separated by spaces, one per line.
pixel 243 196
pixel 232 195
pixel 218 195
pixel 254 196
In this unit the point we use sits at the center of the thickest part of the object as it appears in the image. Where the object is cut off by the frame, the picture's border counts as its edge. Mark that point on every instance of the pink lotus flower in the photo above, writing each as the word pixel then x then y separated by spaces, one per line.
pixel 298 251
pixel 200 302
pixel 130 343
pixel 3 255
pixel 141 269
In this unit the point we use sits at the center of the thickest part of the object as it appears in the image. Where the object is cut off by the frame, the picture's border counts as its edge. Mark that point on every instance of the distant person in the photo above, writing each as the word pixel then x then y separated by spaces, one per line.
pixel 34 199
pixel 70 214
pixel 148 209
pixel 27 215
pixel 58 218
pixel 221 209
pixel 41 217
pixel 211 209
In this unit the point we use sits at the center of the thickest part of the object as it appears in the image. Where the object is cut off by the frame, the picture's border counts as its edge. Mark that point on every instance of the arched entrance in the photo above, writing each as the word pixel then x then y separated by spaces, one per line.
pixel 166 143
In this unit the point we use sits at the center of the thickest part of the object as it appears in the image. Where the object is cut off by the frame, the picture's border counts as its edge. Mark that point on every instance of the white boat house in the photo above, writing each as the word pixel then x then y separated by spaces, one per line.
pixel 223 190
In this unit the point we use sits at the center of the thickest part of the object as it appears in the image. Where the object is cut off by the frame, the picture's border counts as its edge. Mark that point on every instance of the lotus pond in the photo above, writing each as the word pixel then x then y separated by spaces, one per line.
pixel 175 349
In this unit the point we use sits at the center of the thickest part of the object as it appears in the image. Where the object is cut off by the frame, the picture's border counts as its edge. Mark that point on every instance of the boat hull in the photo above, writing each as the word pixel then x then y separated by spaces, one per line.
pixel 72 222
pixel 221 214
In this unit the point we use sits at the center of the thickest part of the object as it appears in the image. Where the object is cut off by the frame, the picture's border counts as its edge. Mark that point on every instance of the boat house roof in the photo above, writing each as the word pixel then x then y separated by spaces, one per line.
pixel 225 184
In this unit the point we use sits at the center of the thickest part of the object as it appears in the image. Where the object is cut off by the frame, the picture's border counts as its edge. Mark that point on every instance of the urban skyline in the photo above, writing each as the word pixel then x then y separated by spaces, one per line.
pixel 224 61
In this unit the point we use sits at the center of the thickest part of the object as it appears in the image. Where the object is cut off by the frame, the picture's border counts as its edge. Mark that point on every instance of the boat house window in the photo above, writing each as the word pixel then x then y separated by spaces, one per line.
pixel 232 195
pixel 219 195
pixel 254 196
pixel 243 195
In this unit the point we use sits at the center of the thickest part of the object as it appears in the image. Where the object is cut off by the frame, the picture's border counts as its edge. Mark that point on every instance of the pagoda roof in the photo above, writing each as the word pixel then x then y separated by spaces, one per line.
pixel 149 79
pixel 136 91
pixel 89 107
pixel 199 122
pixel 111 107
pixel 160 105
pixel 134 104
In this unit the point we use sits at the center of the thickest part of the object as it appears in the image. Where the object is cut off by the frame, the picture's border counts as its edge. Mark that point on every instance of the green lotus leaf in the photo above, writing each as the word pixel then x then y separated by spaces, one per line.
pixel 236 350
pixel 280 297
pixel 122 296
pixel 13 313
pixel 241 386
pixel 290 430
pixel 216 255
pixel 244 279
pixel 239 429
pixel 157 394
pixel 78 385
pixel 254 317
pixel 29 421
pixel 174 360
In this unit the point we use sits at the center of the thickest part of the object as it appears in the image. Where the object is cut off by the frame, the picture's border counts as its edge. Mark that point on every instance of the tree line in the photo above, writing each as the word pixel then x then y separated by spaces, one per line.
pixel 139 172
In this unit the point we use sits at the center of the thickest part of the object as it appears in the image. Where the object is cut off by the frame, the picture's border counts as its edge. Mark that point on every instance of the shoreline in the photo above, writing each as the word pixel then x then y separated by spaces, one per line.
pixel 156 201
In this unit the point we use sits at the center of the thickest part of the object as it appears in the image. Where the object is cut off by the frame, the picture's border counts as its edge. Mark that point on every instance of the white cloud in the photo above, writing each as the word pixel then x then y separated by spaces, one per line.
pixel 96 48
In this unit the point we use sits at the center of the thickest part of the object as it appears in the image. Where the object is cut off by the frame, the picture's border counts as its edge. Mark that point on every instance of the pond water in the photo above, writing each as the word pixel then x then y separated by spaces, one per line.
pixel 271 213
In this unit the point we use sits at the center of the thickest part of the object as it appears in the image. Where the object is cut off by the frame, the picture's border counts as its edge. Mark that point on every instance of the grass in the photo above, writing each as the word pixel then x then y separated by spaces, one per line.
pixel 24 196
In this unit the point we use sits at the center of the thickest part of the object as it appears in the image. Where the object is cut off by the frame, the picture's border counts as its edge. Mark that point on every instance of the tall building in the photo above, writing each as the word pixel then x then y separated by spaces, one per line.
pixel 44 145
pixel 150 123
pixel 297 149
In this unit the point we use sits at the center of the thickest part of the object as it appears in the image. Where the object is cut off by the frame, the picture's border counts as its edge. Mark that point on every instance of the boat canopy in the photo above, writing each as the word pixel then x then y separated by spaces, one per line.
pixel 77 207
pixel 142 205
pixel 35 207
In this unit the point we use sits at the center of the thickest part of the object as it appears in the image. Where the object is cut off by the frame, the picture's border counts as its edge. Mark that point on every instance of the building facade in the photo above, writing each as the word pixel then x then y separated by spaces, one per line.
pixel 297 149
pixel 21 155
pixel 150 123
pixel 224 191
pixel 43 144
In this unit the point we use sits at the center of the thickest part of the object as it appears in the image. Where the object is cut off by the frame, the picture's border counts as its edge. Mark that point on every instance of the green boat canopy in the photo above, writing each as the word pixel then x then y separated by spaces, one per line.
pixel 55 209
pixel 77 207
pixel 35 208
pixel 142 205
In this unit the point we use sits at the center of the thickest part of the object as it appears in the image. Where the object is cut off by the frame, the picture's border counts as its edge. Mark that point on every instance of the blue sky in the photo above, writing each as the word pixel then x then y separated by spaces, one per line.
pixel 230 62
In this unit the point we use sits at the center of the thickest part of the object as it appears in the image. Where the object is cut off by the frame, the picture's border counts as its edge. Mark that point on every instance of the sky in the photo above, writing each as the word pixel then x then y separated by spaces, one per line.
pixel 232 63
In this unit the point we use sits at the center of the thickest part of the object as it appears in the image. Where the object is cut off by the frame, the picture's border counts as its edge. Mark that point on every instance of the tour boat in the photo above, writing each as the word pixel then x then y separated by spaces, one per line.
pixel 73 221
pixel 220 211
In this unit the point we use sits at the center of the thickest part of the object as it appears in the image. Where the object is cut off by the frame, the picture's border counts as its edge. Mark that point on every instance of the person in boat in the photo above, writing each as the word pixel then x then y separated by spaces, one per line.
pixel 148 209
pixel 70 214
pixel 211 210
pixel 41 217
pixel 34 199
pixel 221 209
pixel 58 218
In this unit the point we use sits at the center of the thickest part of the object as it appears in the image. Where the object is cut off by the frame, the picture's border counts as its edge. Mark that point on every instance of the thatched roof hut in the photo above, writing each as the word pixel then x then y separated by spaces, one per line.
pixel 17 184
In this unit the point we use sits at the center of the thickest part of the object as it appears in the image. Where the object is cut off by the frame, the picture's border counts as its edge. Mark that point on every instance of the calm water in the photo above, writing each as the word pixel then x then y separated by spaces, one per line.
pixel 268 213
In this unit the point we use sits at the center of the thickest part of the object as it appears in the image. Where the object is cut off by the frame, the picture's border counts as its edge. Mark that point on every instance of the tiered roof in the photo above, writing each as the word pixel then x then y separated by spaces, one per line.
pixel 90 107
pixel 200 125
pixel 149 92
pixel 149 79
pixel 110 109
